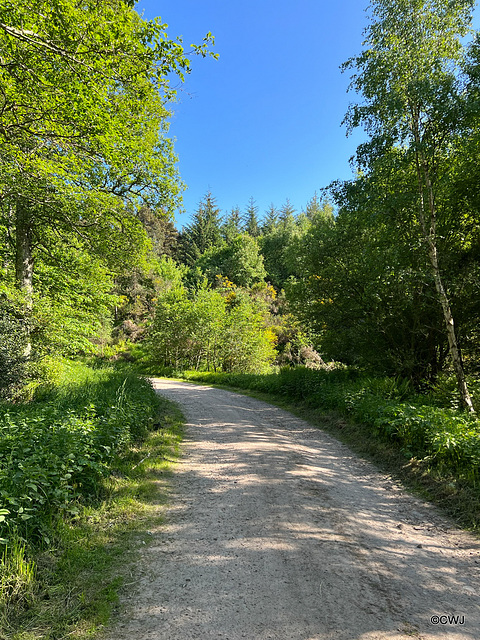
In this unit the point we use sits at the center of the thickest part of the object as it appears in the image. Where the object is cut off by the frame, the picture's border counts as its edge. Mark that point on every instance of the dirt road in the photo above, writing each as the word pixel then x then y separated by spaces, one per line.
pixel 277 531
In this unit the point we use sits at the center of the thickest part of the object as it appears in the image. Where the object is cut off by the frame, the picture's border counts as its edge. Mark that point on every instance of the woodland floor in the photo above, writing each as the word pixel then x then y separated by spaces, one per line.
pixel 278 531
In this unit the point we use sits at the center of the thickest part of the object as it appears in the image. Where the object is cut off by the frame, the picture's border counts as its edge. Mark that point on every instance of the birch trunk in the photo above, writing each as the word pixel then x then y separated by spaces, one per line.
pixel 429 234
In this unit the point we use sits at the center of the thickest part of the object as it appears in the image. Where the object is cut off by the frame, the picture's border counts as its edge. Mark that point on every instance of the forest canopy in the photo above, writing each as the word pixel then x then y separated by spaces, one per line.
pixel 379 272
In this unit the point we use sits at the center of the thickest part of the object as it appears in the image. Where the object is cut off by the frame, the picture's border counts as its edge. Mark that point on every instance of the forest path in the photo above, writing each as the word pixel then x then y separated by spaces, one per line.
pixel 277 531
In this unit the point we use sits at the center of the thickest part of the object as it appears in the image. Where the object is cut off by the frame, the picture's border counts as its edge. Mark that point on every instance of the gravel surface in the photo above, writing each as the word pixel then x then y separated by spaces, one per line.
pixel 278 531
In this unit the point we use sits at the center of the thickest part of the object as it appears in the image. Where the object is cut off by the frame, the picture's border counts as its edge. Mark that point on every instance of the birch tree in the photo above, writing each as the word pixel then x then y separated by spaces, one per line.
pixel 409 76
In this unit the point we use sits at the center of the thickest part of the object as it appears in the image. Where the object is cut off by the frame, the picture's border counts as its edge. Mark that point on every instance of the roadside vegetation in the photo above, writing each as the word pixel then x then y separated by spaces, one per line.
pixel 82 474
pixel 362 306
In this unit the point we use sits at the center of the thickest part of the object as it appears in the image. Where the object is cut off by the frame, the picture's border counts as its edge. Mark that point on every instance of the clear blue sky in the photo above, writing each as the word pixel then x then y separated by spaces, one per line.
pixel 263 121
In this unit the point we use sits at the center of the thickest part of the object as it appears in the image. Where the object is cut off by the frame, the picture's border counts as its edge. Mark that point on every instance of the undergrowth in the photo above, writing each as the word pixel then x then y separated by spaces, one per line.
pixel 81 472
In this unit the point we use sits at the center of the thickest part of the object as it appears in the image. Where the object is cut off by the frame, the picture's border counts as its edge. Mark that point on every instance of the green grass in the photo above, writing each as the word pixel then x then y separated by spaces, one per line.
pixel 69 585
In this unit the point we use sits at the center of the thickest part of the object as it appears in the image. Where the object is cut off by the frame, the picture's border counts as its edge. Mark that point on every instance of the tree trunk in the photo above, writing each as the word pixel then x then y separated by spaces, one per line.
pixel 429 234
pixel 24 258
pixel 450 325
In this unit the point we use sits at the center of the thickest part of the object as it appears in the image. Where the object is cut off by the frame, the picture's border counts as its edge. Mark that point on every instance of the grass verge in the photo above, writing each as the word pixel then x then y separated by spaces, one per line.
pixel 69 587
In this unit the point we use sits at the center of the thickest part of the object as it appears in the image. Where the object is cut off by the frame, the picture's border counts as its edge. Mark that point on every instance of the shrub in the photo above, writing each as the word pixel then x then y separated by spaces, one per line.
pixel 55 450
pixel 210 329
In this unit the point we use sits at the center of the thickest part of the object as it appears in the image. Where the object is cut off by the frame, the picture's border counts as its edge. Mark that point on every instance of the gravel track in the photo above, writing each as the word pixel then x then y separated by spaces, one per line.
pixel 278 531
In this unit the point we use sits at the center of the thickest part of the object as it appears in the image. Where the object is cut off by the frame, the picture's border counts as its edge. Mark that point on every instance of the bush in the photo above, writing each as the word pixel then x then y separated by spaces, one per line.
pixel 211 329
pixel 54 451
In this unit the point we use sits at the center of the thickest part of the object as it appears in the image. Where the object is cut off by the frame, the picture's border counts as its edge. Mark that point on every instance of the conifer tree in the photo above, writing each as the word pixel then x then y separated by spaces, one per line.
pixel 232 225
pixel 203 233
pixel 287 214
pixel 270 220
pixel 252 226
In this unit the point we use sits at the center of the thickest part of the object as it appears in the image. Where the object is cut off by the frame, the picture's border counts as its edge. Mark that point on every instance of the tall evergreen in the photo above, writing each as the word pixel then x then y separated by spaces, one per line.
pixel 203 233
pixel 252 226
pixel 287 213
pixel 232 225
pixel 278 235
pixel 270 219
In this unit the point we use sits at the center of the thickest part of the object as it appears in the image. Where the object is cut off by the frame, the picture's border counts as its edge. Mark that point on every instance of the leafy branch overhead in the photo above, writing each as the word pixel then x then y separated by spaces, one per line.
pixel 85 89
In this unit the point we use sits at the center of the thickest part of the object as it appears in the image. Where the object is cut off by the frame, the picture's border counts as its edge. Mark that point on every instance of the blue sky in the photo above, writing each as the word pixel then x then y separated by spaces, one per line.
pixel 264 120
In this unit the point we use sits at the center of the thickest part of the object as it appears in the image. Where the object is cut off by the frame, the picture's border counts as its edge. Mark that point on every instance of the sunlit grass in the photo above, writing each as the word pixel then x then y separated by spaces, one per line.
pixel 70 586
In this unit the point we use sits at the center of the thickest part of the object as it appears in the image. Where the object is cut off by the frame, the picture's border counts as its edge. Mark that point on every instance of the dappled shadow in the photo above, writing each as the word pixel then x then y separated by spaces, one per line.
pixel 279 531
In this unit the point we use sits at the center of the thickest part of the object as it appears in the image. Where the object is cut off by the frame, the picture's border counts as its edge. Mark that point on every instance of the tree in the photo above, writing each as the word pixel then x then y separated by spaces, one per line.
pixel 210 329
pixel 85 88
pixel 161 231
pixel 169 338
pixel 240 261
pixel 73 296
pixel 13 338
pixel 318 209
pixel 231 226
pixel 408 76
pixel 270 220
pixel 363 288
pixel 203 233
pixel 287 214
pixel 251 224
pixel 275 243
pixel 247 344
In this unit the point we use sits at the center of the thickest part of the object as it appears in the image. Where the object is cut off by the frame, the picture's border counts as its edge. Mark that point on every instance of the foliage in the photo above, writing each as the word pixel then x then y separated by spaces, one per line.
pixel 409 77
pixel 232 225
pixel 71 587
pixel 160 230
pixel 203 233
pixel 65 84
pixel 251 223
pixel 55 450
pixel 275 243
pixel 283 237
pixel 294 344
pixel 381 283
pixel 84 121
pixel 240 261
pixel 138 289
pixel 13 340
pixel 247 344
pixel 221 328
pixel 365 291
pixel 73 295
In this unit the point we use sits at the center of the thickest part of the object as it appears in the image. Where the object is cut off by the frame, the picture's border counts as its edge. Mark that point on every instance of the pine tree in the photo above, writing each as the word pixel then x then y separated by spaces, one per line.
pixel 204 231
pixel 270 220
pixel 232 224
pixel 287 214
pixel 317 209
pixel 252 226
